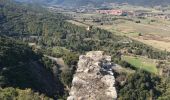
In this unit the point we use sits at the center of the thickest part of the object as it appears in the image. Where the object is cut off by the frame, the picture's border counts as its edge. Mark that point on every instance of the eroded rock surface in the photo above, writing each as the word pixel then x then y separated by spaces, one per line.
pixel 94 78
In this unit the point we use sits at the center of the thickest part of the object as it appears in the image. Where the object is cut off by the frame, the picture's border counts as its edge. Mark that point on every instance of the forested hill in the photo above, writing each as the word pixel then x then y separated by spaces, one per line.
pixel 24 19
pixel 98 2
pixel 21 67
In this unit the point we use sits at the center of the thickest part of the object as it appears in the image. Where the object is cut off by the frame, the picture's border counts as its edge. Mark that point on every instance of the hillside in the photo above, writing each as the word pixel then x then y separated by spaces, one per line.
pixel 20 67
pixel 53 30
pixel 24 19
pixel 98 2
pixel 18 94
pixel 57 38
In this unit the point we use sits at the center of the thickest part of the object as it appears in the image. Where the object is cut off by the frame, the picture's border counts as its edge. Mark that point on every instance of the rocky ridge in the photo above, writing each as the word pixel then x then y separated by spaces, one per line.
pixel 94 78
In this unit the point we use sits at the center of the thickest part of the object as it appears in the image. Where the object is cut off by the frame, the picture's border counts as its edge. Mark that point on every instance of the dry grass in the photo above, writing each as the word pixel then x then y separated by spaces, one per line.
pixel 159 30
pixel 129 27
pixel 162 45
pixel 77 23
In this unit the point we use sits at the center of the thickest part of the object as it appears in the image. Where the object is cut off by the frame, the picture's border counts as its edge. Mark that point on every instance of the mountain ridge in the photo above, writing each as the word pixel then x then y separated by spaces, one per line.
pixel 99 2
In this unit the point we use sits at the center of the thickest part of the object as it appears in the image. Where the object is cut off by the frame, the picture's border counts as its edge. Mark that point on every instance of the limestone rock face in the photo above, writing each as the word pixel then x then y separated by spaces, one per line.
pixel 94 78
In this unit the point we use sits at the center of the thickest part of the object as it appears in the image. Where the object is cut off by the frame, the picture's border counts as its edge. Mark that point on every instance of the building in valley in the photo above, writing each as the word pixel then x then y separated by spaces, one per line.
pixel 112 12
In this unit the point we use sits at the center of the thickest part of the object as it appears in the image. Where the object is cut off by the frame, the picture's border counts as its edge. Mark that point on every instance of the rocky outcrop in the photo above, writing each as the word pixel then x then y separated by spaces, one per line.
pixel 94 78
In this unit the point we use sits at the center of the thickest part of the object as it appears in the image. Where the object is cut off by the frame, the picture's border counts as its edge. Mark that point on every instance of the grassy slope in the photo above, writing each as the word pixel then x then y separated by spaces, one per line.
pixel 143 63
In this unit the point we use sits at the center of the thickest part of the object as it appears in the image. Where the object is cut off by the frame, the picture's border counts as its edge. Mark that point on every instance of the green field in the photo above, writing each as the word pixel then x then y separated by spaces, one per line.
pixel 141 63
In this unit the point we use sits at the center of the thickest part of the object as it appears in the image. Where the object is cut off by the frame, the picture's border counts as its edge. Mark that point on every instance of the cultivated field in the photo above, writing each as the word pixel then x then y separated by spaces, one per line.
pixel 154 32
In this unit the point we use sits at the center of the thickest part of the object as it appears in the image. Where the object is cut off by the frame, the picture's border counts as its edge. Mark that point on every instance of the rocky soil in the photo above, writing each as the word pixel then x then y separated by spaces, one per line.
pixel 94 78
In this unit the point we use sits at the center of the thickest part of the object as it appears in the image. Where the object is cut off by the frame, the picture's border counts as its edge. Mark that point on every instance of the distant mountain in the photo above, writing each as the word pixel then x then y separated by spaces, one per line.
pixel 60 2
pixel 144 2
pixel 98 2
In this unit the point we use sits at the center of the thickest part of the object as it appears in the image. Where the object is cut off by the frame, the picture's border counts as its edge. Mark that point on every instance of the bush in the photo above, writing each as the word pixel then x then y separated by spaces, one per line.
pixel 17 94
pixel 140 86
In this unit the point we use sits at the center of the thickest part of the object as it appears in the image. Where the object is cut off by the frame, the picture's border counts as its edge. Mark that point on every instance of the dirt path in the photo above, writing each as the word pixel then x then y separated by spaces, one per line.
pixel 59 61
